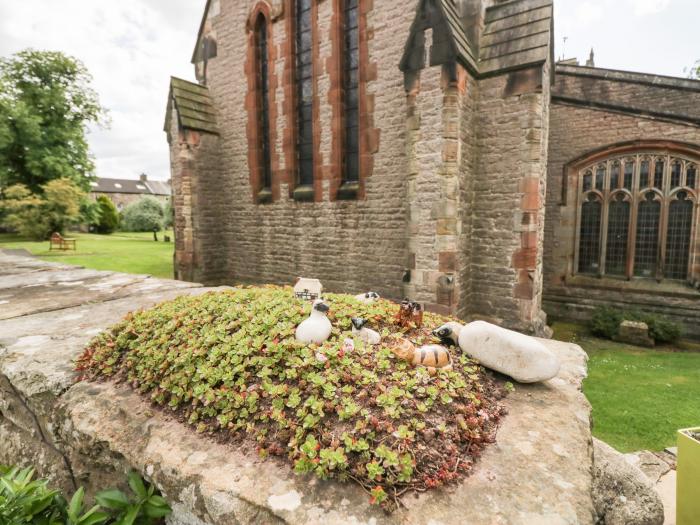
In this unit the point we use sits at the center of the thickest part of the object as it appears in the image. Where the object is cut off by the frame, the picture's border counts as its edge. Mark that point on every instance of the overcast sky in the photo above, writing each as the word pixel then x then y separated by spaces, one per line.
pixel 132 47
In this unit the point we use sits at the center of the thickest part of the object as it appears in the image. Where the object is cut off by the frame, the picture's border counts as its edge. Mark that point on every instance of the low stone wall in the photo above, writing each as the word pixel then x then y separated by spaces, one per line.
pixel 91 434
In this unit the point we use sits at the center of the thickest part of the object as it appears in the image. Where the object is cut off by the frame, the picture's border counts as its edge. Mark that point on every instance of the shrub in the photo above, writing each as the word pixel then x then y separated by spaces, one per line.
pixel 109 216
pixel 606 322
pixel 39 215
pixel 169 213
pixel 144 215
pixel 361 413
pixel 26 500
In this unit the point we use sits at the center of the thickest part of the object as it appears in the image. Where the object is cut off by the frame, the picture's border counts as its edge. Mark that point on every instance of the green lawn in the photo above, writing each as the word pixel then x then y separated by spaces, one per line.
pixel 640 396
pixel 121 252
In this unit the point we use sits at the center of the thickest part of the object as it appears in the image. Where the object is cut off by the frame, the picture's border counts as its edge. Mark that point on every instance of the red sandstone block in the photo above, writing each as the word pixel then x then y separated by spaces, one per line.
pixel 447 261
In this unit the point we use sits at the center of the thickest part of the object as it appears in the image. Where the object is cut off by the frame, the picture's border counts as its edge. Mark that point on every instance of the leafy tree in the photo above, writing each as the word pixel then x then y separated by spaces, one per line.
pixel 169 214
pixel 37 215
pixel 46 103
pixel 108 215
pixel 693 71
pixel 144 215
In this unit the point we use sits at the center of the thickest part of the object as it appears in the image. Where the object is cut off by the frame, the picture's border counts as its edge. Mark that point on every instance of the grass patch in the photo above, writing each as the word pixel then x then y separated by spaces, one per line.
pixel 640 396
pixel 228 364
pixel 128 252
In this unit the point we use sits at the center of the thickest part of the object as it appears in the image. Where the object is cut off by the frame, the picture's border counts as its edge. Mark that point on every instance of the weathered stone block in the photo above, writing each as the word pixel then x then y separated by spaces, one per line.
pixel 634 333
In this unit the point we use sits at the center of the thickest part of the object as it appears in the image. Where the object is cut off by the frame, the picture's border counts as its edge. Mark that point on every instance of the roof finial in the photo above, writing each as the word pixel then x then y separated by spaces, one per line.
pixel 591 59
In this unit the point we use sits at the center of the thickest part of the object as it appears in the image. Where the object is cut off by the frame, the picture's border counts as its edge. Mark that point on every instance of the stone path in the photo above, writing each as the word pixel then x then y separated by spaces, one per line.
pixel 90 434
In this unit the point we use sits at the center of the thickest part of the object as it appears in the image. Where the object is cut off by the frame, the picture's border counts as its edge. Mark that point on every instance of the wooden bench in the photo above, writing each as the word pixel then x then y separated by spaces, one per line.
pixel 59 242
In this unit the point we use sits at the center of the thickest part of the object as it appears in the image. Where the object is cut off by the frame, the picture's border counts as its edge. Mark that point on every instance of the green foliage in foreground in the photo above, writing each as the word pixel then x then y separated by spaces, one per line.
pixel 228 363
pixel 24 499
pixel 606 322
pixel 640 396
pixel 120 252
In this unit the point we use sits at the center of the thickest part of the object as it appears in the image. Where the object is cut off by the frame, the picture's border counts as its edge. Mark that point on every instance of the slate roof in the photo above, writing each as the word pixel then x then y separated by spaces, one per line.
pixel 459 37
pixel 194 106
pixel 516 34
pixel 107 185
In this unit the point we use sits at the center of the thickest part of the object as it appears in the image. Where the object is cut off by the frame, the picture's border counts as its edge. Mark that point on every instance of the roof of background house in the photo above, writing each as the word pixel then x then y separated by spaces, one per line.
pixel 150 187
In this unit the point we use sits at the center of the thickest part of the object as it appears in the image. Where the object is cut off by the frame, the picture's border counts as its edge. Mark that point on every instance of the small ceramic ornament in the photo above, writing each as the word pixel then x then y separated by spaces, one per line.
pixel 367 335
pixel 448 333
pixel 433 357
pixel 368 297
pixel 410 312
pixel 316 328
pixel 308 289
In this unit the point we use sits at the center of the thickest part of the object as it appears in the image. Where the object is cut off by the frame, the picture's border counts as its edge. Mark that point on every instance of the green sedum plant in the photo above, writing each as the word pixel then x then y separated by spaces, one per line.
pixel 228 364
pixel 24 500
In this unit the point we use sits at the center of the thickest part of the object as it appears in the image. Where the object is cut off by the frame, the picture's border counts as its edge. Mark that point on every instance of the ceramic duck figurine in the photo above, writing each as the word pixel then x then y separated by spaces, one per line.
pixel 433 357
pixel 367 335
pixel 316 328
pixel 368 297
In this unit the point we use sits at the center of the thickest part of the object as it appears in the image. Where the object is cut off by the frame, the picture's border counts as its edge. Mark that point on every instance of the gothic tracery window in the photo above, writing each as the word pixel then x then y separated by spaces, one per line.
pixel 636 216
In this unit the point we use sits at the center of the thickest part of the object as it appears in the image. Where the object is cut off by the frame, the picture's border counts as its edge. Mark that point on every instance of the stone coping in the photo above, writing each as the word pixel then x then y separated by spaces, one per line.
pixel 538 471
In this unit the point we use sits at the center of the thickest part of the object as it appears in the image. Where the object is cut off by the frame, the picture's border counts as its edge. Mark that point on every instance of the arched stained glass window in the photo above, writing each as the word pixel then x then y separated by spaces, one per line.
pixel 691 176
pixel 680 221
pixel 614 175
pixel 659 173
pixel 644 174
pixel 629 174
pixel 600 177
pixel 589 236
pixel 676 172
pixel 618 233
pixel 637 215
pixel 263 85
pixel 647 241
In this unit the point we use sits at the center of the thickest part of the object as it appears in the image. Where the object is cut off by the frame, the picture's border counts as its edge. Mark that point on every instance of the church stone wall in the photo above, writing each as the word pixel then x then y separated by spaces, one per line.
pixel 576 130
pixel 349 245
pixel 508 189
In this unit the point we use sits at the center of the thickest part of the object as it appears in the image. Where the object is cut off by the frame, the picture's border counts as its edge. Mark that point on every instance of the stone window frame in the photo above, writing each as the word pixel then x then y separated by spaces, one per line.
pixel 261 194
pixel 670 151
pixel 368 140
pixel 290 105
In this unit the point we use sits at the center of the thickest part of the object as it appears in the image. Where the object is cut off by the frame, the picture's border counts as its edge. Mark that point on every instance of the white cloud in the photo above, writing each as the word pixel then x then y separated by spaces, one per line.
pixel 131 47
pixel 587 12
pixel 648 7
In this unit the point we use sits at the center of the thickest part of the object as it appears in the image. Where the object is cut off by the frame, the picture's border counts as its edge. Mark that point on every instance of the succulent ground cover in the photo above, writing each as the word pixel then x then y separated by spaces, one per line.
pixel 228 364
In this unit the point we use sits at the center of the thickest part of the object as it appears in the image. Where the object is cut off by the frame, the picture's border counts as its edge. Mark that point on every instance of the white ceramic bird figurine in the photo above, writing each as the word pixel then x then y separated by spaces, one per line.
pixel 316 328
pixel 365 334
pixel 368 297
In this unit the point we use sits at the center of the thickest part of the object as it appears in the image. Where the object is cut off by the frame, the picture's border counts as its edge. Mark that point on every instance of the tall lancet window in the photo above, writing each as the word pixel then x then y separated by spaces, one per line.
pixel 351 82
pixel 263 78
pixel 304 92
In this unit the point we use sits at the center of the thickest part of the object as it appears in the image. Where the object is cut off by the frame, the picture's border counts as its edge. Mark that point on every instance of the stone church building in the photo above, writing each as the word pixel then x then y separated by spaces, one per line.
pixel 433 149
